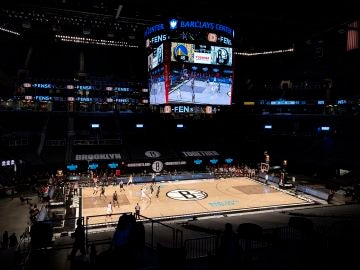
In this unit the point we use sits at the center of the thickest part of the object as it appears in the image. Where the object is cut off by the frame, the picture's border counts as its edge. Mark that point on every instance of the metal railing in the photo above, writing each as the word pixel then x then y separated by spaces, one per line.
pixel 156 232
pixel 201 247
pixel 23 249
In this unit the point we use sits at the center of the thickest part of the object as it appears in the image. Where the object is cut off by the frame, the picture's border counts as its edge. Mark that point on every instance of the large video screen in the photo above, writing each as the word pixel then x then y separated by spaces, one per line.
pixel 200 84
pixel 198 74
pixel 201 54
pixel 156 57
pixel 157 87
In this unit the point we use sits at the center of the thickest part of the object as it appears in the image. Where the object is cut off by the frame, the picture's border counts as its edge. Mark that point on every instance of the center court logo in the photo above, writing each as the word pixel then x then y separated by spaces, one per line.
pixel 152 154
pixel 187 194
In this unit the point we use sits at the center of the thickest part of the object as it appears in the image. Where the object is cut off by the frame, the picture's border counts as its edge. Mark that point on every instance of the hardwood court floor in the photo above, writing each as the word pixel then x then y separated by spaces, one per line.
pixel 191 197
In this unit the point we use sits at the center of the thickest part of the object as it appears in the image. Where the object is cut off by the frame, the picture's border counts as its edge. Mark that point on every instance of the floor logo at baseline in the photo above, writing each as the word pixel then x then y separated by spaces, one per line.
pixel 187 194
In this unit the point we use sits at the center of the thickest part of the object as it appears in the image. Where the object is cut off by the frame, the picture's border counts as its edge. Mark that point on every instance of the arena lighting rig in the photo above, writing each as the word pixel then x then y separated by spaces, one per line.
pixel 19 20
pixel 9 31
pixel 264 52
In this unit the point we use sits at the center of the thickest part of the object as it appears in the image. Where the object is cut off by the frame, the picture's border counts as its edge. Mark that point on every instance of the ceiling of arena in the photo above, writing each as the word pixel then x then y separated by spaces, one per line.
pixel 257 25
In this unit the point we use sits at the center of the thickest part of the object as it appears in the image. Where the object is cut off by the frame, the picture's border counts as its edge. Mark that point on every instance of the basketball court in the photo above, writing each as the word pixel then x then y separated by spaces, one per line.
pixel 190 198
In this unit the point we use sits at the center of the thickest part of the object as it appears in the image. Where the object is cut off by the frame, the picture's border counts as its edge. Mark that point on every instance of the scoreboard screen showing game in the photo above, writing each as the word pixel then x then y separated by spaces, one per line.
pixel 199 74
pixel 200 84
pixel 190 62
pixel 157 87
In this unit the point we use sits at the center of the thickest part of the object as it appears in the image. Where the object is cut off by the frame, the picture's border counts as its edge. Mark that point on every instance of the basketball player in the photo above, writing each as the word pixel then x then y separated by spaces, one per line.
pixel 102 193
pixel 115 199
pixel 130 181
pixel 143 194
pixel 193 91
pixel 213 87
pixel 121 184
pixel 158 192
pixel 95 190
pixel 179 93
pixel 109 211
pixel 153 177
pixel 282 179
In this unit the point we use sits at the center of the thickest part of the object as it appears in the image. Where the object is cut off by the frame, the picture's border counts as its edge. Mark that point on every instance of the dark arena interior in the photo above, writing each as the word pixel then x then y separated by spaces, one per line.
pixel 179 135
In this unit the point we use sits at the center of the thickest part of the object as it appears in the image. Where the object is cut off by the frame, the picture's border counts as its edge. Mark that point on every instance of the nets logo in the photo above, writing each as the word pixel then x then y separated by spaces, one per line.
pixel 187 194
pixel 157 166
pixel 152 154
pixel 222 56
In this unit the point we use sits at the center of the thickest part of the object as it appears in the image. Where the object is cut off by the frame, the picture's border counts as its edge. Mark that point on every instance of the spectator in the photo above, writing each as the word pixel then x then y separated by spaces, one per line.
pixel 124 232
pixel 229 248
pixel 34 211
pixel 13 241
pixel 76 188
pixel 123 245
pixel 79 242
